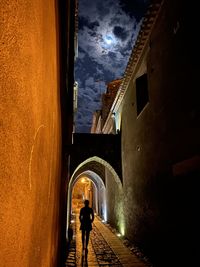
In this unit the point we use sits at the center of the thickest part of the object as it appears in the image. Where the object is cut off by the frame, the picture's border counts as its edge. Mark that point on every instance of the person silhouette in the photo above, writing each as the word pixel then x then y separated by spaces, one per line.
pixel 86 218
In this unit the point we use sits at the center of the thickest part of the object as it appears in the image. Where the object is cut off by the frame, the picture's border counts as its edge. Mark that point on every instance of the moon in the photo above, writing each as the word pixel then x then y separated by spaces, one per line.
pixel 108 39
pixel 109 42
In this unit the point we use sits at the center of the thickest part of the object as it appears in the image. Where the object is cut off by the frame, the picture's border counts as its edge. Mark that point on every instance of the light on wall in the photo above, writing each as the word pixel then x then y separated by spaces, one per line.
pixel 121 219
pixel 118 234
pixel 122 228
pixel 105 213
pixel 113 115
pixel 118 120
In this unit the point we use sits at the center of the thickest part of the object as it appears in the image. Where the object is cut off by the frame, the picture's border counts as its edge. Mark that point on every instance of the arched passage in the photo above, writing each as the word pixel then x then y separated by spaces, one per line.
pixel 83 169
pixel 99 188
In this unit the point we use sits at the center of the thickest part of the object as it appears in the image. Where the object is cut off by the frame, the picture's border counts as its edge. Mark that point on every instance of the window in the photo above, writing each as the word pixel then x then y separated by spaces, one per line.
pixel 142 95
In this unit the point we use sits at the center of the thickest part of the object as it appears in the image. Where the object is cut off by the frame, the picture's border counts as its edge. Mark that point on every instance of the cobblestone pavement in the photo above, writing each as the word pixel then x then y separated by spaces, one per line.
pixel 71 254
pixel 83 259
pixel 104 253
pixel 105 249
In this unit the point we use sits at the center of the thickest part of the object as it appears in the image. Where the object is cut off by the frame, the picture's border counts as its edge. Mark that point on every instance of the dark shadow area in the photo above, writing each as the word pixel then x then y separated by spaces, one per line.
pixel 172 239
pixel 66 25
pixel 71 245
pixel 84 258
pixel 105 146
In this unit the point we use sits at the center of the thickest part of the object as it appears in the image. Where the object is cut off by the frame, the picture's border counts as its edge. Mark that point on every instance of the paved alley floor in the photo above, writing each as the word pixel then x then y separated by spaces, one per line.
pixel 105 249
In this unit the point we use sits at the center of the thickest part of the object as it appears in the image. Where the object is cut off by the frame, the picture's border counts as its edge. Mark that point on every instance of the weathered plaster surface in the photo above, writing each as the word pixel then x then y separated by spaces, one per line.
pixel 30 134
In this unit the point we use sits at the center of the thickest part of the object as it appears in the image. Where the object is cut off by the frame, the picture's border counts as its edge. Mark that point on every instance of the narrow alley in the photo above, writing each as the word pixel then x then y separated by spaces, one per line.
pixel 136 155
pixel 106 248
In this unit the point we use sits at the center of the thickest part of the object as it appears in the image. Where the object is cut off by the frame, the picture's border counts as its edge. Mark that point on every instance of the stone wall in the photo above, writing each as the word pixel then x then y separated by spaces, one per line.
pixel 108 98
pixel 156 200
pixel 114 199
pixel 30 134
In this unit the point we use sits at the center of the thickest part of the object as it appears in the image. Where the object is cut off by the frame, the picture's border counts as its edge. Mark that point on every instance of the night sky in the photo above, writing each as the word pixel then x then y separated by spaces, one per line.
pixel 107 32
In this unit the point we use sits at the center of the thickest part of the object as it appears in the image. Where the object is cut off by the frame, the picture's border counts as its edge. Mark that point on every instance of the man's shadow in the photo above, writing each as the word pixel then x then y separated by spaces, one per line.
pixel 84 260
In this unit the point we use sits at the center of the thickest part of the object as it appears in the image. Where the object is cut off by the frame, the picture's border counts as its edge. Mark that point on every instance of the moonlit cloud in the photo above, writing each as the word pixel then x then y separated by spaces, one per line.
pixel 107 32
pixel 107 37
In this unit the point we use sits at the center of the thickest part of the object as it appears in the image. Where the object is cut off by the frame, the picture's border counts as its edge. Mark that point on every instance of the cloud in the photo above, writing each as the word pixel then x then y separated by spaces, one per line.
pixel 120 33
pixel 85 22
pixel 102 36
pixel 107 32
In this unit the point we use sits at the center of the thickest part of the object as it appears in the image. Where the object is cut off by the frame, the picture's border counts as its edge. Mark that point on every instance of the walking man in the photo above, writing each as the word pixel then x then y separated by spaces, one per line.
pixel 86 218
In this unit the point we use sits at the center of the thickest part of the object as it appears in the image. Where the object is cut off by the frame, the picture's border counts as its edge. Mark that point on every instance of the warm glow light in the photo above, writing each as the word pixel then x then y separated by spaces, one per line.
pixel 118 234
pixel 83 180
pixel 72 221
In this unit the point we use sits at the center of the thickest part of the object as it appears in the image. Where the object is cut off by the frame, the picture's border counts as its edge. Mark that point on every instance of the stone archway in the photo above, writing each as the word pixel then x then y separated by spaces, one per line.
pixel 102 162
pixel 99 194
pixel 99 182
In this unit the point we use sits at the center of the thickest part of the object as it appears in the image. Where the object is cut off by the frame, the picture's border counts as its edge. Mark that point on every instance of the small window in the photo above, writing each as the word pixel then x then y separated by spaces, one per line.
pixel 142 95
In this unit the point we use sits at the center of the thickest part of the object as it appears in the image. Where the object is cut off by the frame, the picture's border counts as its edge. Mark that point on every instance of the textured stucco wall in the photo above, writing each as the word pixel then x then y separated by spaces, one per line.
pixel 159 207
pixel 30 134
pixel 114 198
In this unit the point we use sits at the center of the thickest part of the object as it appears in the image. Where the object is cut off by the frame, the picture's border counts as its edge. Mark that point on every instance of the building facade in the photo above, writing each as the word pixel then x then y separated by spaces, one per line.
pixel 100 116
pixel 37 55
pixel 158 115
